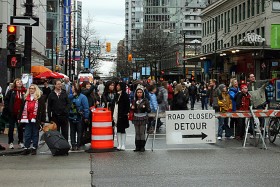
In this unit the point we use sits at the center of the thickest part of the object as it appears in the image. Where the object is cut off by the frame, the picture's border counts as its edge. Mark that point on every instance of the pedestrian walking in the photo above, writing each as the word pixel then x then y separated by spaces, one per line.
pixel 180 100
pixel 79 114
pixel 141 108
pixel 192 93
pixel 204 97
pixel 33 116
pixel 120 114
pixel 58 108
pixel 225 105
pixel 66 85
pixel 13 102
pixel 46 90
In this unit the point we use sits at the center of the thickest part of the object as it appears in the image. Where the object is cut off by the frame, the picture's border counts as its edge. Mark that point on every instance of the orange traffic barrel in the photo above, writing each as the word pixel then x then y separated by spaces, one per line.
pixel 102 132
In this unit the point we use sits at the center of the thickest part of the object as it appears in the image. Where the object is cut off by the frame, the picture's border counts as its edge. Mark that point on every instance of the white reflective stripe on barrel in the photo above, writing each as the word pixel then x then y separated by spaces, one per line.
pixel 103 137
pixel 102 124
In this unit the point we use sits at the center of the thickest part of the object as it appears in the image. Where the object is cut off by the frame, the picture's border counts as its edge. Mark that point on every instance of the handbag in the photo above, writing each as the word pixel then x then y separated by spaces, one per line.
pixel 50 126
pixel 130 115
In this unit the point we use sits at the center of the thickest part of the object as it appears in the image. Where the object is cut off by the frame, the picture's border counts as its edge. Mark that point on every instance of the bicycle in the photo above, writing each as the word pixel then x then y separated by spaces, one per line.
pixel 273 127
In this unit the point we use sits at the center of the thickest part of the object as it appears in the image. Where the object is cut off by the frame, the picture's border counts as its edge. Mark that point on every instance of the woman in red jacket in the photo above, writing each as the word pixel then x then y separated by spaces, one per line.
pixel 33 114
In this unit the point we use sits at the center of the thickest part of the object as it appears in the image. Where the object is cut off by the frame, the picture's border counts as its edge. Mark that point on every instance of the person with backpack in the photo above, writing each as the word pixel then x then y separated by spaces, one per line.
pixel 79 112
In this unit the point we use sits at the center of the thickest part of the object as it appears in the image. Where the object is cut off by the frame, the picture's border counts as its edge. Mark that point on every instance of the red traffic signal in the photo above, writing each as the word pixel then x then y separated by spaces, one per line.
pixel 161 72
pixel 11 38
pixel 14 61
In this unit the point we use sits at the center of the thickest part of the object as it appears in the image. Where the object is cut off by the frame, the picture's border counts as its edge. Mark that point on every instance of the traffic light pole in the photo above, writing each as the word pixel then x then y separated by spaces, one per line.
pixel 13 71
pixel 28 37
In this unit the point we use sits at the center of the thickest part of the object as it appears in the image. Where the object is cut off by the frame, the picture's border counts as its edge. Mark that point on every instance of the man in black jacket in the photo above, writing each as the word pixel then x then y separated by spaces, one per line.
pixel 58 108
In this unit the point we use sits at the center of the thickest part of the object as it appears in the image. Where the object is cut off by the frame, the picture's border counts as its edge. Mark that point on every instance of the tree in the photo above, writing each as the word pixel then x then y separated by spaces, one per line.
pixel 89 38
pixel 153 45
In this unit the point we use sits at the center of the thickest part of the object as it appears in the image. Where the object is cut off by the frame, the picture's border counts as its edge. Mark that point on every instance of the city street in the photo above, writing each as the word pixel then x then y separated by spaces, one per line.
pixel 225 163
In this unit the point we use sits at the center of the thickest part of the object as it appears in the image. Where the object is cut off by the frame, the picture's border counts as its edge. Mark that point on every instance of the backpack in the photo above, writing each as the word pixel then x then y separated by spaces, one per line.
pixel 160 97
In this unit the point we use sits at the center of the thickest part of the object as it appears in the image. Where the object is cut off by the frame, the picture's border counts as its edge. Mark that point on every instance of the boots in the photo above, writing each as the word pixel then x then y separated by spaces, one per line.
pixel 142 145
pixel 119 137
pixel 123 141
pixel 137 144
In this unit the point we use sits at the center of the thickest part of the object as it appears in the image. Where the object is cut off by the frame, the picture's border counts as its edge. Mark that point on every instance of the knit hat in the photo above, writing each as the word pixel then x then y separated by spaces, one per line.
pixel 243 86
pixel 222 86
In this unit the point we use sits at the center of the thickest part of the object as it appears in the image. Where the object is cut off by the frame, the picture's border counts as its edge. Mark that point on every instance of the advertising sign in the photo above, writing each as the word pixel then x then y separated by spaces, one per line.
pixel 66 21
pixel 275 36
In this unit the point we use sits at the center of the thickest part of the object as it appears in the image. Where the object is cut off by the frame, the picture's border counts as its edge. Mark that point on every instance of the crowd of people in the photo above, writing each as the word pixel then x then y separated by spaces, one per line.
pixel 69 105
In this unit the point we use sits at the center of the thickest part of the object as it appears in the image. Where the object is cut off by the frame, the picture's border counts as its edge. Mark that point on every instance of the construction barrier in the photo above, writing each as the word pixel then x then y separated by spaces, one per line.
pixel 236 114
pixel 102 131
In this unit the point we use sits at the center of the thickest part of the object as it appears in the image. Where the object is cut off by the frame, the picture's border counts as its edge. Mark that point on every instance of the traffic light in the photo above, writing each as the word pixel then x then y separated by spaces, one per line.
pixel 14 61
pixel 11 38
pixel 129 58
pixel 108 47
pixel 162 72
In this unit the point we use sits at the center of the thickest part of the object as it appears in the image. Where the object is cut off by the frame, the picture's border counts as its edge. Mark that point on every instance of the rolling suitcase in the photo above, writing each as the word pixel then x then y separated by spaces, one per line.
pixel 56 143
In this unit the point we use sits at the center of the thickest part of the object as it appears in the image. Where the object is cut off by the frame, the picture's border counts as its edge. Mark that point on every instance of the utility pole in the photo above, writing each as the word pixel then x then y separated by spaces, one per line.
pixel 216 43
pixel 13 72
pixel 69 33
pixel 28 37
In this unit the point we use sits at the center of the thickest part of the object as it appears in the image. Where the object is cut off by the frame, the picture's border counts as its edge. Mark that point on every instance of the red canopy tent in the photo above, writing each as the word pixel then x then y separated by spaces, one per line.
pixel 49 75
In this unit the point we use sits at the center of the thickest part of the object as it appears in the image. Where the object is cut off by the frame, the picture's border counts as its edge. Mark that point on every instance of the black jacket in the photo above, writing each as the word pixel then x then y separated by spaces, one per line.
pixel 9 102
pixel 139 107
pixel 179 102
pixel 123 107
pixel 58 106
pixel 89 94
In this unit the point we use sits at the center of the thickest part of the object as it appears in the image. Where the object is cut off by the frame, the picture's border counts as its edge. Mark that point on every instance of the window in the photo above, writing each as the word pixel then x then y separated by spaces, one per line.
pixel 262 5
pixel 232 14
pixel 228 29
pixel 235 14
pixel 218 23
pixel 258 31
pixel 225 28
pixel 262 32
pixel 253 8
pixel 235 40
pixel 244 11
pixel 240 12
pixel 248 8
pixel 258 6
pixel 222 21
pixel 276 5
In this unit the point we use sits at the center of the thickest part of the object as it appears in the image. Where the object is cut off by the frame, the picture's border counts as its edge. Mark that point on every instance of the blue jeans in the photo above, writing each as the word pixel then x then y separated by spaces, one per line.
pixel 223 125
pixel 76 126
pixel 204 102
pixel 31 133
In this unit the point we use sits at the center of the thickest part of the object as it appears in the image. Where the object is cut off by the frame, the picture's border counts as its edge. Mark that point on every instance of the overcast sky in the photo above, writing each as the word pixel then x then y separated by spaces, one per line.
pixel 108 18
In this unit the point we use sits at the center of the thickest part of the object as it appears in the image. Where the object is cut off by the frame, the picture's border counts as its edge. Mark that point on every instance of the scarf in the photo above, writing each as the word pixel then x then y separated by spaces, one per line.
pixel 29 111
pixel 18 100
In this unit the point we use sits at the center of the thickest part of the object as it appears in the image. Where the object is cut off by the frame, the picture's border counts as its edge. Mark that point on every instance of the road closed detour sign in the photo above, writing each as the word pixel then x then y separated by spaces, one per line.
pixel 190 127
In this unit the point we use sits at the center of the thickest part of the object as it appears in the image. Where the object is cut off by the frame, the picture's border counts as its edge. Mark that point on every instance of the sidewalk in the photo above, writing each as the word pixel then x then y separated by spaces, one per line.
pixel 4 143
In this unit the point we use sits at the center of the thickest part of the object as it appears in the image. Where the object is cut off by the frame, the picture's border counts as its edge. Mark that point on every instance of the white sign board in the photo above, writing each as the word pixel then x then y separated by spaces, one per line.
pixel 190 127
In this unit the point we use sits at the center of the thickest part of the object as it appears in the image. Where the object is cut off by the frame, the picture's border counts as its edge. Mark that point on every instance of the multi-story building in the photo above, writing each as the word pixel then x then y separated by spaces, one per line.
pixel 38 39
pixel 240 37
pixel 133 22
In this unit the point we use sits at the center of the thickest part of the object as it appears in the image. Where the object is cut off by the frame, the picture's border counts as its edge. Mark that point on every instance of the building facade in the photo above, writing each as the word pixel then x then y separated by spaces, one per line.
pixel 237 39
pixel 38 39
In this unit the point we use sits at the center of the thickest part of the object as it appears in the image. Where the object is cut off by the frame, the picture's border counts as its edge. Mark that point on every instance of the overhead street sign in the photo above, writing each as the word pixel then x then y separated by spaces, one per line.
pixel 190 127
pixel 139 59
pixel 24 21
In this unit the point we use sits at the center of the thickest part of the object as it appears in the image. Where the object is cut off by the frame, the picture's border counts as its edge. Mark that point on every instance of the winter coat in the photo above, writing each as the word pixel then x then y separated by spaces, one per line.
pixel 242 101
pixel 232 92
pixel 110 100
pixel 214 98
pixel 179 102
pixel 192 91
pixel 41 111
pixel 224 102
pixel 58 106
pixel 163 106
pixel 79 107
pixel 139 107
pixel 170 92
pixel 9 101
pixel 153 102
pixel 123 107
pixel 89 94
